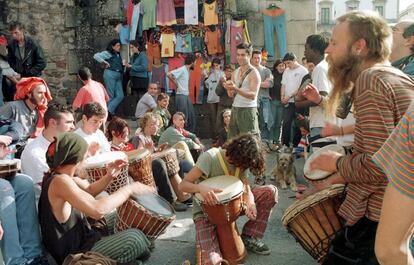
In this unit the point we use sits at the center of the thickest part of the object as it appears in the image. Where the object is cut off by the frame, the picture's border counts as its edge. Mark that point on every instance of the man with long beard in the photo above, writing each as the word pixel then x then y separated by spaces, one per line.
pixel 30 104
pixel 358 64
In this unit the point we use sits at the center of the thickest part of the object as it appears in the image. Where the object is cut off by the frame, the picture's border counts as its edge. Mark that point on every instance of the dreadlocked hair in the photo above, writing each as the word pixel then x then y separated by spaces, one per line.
pixel 245 151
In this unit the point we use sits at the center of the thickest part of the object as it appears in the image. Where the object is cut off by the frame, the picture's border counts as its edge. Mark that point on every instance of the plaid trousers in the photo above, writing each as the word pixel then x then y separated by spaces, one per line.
pixel 265 197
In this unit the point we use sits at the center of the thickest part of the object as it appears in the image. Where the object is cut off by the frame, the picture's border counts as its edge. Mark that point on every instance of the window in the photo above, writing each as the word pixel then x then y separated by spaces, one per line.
pixel 325 15
pixel 380 10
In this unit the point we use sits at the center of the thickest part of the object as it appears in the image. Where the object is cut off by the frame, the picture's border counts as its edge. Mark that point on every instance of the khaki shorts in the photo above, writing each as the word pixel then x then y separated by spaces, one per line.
pixel 244 120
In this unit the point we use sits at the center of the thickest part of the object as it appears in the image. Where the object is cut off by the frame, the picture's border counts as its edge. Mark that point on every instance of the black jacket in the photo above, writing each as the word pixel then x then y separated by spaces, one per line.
pixel 33 62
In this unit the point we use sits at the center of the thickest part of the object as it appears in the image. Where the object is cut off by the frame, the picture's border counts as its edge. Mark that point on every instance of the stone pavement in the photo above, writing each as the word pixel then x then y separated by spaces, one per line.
pixel 178 243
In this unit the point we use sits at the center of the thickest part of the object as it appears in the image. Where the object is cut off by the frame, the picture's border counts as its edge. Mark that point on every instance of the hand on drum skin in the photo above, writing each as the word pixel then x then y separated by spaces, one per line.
pixel 6 140
pixel 93 148
pixel 114 168
pixel 209 195
pixel 139 189
pixel 149 146
pixel 251 211
pixel 162 147
pixel 311 93
pixel 325 161
pixel 329 130
pixel 4 151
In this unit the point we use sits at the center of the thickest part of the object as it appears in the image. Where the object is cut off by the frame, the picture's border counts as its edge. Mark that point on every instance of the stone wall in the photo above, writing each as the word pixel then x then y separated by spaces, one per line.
pixel 69 31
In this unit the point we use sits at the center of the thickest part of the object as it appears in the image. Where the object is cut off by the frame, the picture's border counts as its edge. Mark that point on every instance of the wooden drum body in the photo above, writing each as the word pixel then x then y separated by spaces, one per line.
pixel 314 221
pixel 140 166
pixel 150 213
pixel 169 156
pixel 95 167
pixel 225 214
pixel 9 167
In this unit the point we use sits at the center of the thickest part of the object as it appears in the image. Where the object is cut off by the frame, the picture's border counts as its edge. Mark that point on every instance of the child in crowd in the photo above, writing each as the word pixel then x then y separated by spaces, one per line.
pixel 302 148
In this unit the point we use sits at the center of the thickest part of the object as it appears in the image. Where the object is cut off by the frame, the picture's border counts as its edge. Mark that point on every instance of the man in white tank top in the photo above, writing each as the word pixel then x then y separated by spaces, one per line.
pixel 244 87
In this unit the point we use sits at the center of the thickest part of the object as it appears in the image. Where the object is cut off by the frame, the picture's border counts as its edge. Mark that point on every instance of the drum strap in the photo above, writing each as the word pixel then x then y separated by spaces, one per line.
pixel 224 167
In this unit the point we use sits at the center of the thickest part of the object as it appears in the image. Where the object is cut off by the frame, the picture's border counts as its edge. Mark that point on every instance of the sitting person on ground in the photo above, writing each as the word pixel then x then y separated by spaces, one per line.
pixel 143 140
pixel 21 243
pixel 30 104
pixel 66 200
pixel 303 125
pixel 91 91
pixel 58 119
pixel 117 134
pixel 93 115
pixel 163 100
pixel 147 102
pixel 222 135
pixel 237 156
pixel 176 134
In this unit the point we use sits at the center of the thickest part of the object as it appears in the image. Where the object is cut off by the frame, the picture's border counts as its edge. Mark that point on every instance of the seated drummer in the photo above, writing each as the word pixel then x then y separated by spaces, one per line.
pixel 176 133
pixel 20 242
pixel 239 155
pixel 150 123
pixel 66 200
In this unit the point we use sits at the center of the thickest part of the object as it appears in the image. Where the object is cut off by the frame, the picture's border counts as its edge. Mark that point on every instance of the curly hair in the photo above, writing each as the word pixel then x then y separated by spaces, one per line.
pixel 116 125
pixel 245 151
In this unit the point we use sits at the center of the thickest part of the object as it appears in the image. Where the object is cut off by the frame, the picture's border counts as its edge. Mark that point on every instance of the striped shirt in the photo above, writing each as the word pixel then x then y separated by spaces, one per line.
pixel 381 96
pixel 395 157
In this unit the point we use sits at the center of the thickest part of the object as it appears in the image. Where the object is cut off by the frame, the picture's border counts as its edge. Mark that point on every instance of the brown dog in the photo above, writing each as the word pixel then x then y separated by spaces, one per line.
pixel 284 172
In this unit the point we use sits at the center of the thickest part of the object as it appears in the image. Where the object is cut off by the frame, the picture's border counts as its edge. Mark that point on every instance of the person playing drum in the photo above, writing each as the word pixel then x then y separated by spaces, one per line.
pixel 66 199
pixel 237 156
pixel 150 123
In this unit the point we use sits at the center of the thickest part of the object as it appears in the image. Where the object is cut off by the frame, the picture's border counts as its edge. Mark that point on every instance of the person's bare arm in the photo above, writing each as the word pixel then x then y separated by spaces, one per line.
pixel 63 189
pixel 395 229
pixel 254 86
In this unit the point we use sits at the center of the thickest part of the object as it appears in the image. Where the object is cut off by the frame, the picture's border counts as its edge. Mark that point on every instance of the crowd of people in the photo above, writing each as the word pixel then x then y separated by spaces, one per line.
pixel 348 93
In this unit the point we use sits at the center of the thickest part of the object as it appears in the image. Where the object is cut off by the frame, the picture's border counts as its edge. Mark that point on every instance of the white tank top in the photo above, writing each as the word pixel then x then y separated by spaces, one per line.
pixel 240 101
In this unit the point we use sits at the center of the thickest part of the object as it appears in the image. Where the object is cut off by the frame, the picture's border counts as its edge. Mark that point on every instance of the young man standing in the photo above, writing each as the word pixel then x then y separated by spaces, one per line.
pixel 244 87
pixel 266 77
pixel 291 80
pixel 181 77
pixel 92 91
pixel 93 115
pixel 358 63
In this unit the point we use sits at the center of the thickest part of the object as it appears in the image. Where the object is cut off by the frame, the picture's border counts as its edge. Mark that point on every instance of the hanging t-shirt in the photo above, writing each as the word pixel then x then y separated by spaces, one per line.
pixel 166 13
pixel 149 11
pixel 210 14
pixel 212 40
pixel 191 12
pixel 183 43
pixel 167 41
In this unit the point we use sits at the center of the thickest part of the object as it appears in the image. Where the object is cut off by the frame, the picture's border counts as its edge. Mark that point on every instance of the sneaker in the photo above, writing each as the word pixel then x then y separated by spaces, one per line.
pixel 189 201
pixel 255 245
pixel 179 206
pixel 40 260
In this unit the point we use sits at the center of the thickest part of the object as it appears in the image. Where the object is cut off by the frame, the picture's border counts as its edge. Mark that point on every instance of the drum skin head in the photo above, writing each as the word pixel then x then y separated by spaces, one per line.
pixel 155 204
pixel 137 154
pixel 104 158
pixel 231 186
pixel 320 174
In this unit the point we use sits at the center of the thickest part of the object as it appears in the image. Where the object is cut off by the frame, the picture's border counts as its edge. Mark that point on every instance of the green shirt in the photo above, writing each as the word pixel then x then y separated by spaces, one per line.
pixel 209 164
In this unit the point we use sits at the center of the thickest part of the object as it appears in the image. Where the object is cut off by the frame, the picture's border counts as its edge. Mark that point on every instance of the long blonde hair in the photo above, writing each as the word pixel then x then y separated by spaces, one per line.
pixel 370 27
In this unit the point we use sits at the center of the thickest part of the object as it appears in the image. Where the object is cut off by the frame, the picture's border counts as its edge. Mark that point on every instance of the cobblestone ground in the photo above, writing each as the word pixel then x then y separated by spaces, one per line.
pixel 178 243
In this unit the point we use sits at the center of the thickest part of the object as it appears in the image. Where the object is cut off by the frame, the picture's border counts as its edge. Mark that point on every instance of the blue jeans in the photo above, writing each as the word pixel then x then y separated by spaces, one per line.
pixel 277 110
pixel 113 83
pixel 21 241
pixel 265 117
pixel 278 24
